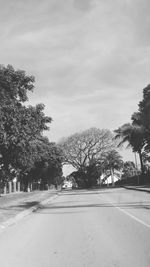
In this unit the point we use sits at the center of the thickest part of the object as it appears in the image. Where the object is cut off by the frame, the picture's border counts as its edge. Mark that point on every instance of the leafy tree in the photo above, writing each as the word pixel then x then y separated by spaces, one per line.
pixel 88 177
pixel 144 116
pixel 93 172
pixel 79 177
pixel 146 161
pixel 47 167
pixel 137 133
pixel 84 151
pixel 133 135
pixel 54 170
pixel 14 85
pixel 129 169
pixel 20 126
pixel 83 148
pixel 112 161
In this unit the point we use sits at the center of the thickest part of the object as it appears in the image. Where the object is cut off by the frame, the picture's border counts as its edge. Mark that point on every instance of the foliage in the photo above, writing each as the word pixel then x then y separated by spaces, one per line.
pixel 22 144
pixel 112 160
pixel 84 152
pixel 93 172
pixel 133 135
pixel 81 149
pixel 129 169
pixel 43 164
pixel 87 178
pixel 19 128
pixel 144 116
pixel 78 178
pixel 14 85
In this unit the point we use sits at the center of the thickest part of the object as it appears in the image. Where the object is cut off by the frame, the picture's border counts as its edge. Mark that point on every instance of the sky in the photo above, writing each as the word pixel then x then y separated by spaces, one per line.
pixel 90 58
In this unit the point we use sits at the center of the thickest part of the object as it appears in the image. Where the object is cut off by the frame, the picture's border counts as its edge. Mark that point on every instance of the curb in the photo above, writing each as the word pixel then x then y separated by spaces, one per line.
pixel 27 212
pixel 137 189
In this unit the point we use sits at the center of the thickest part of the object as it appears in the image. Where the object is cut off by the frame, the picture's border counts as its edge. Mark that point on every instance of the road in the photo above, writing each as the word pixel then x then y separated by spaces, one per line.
pixel 107 228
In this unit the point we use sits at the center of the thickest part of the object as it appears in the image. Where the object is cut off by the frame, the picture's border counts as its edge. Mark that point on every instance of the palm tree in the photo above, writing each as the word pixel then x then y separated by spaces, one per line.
pixel 112 161
pixel 133 134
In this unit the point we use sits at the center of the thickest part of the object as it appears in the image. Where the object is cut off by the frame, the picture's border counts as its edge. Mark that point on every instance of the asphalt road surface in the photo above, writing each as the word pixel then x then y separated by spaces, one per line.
pixel 99 228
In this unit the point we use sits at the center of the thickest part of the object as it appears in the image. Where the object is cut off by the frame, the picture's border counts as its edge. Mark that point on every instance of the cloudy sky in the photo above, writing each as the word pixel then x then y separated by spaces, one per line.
pixel 90 58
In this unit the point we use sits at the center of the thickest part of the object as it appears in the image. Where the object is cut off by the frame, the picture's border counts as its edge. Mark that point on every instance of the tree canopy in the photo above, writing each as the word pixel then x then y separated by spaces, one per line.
pixel 84 151
pixel 129 169
pixel 81 149
pixel 137 133
pixel 14 85
pixel 112 160
pixel 22 144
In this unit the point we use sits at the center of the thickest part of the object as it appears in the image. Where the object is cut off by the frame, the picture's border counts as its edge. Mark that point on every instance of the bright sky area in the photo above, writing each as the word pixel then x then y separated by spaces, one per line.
pixel 90 58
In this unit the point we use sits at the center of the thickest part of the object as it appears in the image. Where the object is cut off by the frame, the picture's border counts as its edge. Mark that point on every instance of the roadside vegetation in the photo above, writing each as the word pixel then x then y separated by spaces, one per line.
pixel 25 153
pixel 95 152
pixel 28 156
pixel 91 153
pixel 136 134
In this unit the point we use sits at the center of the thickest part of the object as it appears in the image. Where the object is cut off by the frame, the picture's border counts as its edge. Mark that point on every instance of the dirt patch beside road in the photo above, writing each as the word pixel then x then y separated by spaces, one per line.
pixel 13 204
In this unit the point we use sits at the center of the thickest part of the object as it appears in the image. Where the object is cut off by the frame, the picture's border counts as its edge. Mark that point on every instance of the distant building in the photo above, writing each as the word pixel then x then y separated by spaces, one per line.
pixel 67 184
pixel 106 178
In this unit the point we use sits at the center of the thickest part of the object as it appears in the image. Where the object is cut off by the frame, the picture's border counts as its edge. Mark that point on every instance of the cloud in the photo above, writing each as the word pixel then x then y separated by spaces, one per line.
pixel 90 58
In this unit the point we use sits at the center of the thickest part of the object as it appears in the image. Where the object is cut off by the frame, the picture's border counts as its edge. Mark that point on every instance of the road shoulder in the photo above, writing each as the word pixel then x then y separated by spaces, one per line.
pixel 15 207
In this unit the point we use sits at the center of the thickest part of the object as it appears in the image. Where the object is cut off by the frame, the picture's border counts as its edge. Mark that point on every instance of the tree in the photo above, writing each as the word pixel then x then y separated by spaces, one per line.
pixel 54 162
pixel 129 169
pixel 47 164
pixel 93 172
pixel 14 85
pixel 112 161
pixel 84 151
pixel 137 133
pixel 144 116
pixel 83 148
pixel 133 135
pixel 20 125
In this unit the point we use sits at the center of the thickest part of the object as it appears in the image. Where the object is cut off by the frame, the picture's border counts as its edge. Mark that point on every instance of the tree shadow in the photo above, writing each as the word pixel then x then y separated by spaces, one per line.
pixel 24 205
pixel 138 189
pixel 58 209
pixel 27 205
pixel 88 191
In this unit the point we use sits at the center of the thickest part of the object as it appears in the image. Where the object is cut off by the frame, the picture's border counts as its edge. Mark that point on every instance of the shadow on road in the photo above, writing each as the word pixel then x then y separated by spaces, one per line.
pixel 89 191
pixel 77 208
pixel 137 189
pixel 25 205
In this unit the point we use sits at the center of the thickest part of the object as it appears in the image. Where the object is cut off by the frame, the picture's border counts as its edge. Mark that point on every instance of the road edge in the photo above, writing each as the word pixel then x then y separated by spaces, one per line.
pixel 137 189
pixel 27 212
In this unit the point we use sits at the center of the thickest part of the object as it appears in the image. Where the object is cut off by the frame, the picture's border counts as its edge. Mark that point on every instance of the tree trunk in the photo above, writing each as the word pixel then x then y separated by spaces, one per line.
pixel 141 162
pixel 112 177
